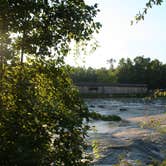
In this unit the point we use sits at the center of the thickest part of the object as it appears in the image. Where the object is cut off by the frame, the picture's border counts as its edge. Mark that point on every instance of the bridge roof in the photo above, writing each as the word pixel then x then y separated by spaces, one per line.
pixel 94 84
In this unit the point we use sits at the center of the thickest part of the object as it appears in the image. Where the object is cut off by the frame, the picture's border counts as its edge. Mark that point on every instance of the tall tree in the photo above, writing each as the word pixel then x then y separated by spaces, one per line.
pixel 41 114
pixel 46 29
pixel 111 63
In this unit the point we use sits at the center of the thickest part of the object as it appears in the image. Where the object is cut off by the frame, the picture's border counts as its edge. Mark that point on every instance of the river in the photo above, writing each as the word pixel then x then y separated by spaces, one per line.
pixel 138 138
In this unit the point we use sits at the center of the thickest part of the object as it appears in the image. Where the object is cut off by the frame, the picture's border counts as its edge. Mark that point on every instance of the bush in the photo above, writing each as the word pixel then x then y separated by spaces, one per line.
pixel 41 117
pixel 97 116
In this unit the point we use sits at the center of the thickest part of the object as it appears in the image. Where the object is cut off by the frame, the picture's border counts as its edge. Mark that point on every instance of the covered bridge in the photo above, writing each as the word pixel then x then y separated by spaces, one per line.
pixel 111 89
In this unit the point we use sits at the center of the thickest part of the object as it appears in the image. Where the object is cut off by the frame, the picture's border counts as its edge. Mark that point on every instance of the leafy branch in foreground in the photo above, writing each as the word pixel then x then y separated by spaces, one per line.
pixel 141 15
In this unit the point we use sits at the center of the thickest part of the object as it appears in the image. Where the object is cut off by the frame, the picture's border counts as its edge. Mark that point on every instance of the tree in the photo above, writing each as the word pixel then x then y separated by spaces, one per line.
pixel 41 114
pixel 155 72
pixel 46 29
pixel 102 75
pixel 124 71
pixel 111 63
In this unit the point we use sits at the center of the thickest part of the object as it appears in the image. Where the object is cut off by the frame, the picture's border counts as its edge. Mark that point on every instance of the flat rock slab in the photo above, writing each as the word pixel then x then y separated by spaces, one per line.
pixel 139 150
pixel 129 139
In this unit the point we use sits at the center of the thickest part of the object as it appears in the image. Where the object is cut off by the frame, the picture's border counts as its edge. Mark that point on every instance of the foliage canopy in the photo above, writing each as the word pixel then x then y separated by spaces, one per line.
pixel 41 114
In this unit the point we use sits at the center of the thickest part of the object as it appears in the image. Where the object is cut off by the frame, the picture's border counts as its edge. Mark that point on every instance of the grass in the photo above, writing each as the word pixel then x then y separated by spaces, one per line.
pixel 97 116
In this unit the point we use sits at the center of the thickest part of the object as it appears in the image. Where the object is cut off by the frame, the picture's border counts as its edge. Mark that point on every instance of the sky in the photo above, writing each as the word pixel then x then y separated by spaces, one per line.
pixel 118 39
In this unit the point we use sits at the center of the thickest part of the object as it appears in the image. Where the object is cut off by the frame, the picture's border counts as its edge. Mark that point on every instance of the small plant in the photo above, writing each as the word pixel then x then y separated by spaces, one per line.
pixel 123 161
pixel 162 130
pixel 160 93
pixel 163 163
pixel 152 123
pixel 97 116
pixel 95 146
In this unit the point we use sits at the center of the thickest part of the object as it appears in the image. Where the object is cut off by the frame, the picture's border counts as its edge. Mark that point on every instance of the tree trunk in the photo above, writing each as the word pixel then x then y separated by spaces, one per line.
pixel 22 49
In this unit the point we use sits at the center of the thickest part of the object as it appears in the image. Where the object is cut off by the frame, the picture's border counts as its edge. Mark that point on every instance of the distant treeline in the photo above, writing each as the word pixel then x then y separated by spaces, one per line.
pixel 140 70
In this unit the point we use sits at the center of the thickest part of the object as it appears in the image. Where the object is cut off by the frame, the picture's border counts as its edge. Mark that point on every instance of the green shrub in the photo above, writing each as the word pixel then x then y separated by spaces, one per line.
pixel 97 116
pixel 41 117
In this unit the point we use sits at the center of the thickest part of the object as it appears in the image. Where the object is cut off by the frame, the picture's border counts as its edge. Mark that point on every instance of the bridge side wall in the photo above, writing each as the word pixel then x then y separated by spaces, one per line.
pixel 111 90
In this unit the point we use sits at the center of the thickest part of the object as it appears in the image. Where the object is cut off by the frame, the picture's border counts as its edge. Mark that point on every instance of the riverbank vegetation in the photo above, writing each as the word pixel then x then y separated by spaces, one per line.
pixel 98 116
pixel 160 93
pixel 141 70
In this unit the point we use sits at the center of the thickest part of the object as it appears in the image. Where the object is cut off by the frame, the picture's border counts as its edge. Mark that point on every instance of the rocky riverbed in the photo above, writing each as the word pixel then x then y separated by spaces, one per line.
pixel 139 138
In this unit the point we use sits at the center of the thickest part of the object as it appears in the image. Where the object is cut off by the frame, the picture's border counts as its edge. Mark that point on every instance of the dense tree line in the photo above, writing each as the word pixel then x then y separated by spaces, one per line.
pixel 141 70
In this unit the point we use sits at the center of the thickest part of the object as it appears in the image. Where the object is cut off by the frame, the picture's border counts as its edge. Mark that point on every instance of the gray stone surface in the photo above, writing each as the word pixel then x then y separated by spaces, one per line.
pixel 128 139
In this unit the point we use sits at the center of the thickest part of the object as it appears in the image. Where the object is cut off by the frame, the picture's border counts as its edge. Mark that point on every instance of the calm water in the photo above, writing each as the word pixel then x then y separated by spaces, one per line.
pixel 133 106
pixel 125 108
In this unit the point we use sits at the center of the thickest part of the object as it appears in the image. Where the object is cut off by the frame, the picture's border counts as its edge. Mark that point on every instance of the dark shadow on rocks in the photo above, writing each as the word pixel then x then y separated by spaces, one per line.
pixel 123 109
pixel 101 106
pixel 139 150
